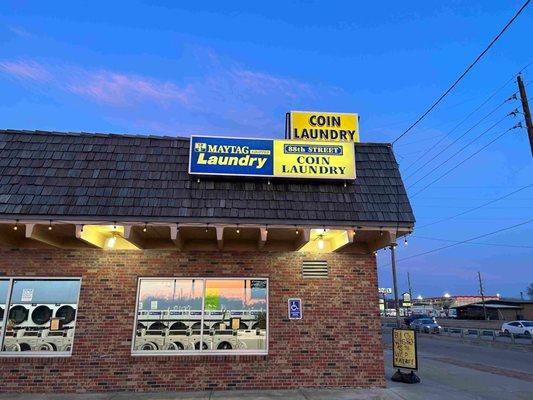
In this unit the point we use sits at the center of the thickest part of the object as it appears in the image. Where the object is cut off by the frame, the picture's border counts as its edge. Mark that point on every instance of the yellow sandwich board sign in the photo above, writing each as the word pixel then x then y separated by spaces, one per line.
pixel 324 126
pixel 404 351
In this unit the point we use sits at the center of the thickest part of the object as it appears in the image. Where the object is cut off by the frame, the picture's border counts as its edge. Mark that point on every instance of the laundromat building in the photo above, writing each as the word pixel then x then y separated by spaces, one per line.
pixel 122 271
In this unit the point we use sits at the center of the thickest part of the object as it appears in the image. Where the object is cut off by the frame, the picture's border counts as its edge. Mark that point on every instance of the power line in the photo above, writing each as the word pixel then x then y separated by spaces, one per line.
pixel 476 208
pixel 458 138
pixel 466 159
pixel 465 241
pixel 447 134
pixel 464 73
pixel 479 243
pixel 459 151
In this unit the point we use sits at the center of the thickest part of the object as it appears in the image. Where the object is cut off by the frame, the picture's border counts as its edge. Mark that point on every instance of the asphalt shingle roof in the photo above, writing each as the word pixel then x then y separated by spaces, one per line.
pixel 47 174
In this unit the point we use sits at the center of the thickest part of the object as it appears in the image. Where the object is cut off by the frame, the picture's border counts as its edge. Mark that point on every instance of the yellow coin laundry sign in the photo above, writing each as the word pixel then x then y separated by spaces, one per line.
pixel 301 159
pixel 404 351
pixel 323 126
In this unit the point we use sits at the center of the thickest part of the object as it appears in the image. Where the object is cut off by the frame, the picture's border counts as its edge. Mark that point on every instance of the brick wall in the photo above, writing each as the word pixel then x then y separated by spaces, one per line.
pixel 336 344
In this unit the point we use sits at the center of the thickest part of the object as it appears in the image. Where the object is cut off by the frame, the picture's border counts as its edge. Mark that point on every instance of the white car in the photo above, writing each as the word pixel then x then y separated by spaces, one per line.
pixel 518 327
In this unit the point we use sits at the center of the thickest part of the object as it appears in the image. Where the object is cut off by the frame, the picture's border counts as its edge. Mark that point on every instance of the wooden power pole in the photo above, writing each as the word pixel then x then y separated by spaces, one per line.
pixel 527 113
pixel 482 295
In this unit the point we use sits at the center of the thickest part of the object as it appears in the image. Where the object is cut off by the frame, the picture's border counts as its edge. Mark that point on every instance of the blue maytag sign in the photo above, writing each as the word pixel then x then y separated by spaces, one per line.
pixel 231 156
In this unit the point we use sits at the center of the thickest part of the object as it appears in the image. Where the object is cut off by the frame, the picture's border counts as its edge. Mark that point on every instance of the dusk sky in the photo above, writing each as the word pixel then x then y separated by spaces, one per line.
pixel 236 68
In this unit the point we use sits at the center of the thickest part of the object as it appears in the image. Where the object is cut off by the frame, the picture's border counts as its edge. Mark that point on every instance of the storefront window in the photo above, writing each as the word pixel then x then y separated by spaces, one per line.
pixel 4 285
pixel 181 316
pixel 40 316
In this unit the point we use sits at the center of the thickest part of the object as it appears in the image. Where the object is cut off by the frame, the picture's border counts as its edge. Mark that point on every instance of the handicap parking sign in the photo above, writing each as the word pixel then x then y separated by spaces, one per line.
pixel 295 309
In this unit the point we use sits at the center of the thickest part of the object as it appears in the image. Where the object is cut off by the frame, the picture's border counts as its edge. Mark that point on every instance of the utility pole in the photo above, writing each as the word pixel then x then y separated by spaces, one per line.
pixel 482 295
pixel 395 283
pixel 409 284
pixel 527 113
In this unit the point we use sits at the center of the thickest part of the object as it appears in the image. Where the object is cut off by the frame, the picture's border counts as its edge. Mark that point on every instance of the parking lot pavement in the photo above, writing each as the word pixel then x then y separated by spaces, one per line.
pixel 454 369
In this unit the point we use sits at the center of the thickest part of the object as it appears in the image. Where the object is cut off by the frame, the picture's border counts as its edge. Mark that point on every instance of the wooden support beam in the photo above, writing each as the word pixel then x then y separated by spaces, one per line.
pixel 303 238
pixel 41 233
pixel 220 237
pixel 91 236
pixel 263 233
pixel 386 238
pixel 175 237
pixel 132 235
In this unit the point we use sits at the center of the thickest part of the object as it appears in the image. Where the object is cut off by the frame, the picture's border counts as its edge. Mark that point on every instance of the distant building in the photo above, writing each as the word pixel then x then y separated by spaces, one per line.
pixel 497 310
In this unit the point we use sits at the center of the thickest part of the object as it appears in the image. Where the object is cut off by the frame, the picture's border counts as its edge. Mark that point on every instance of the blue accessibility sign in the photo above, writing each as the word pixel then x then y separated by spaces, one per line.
pixel 295 309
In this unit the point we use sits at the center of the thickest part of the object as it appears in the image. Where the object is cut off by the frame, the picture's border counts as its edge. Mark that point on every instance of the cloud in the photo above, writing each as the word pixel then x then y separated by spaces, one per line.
pixel 222 95
pixel 26 70
pixel 121 89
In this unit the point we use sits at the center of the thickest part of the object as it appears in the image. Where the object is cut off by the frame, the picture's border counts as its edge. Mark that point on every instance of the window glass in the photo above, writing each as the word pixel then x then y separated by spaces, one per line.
pixel 235 312
pixel 42 315
pixel 169 315
pixel 4 285
pixel 201 315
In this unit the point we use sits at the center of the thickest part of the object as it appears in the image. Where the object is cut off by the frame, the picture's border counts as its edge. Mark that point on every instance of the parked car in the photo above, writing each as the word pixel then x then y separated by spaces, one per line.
pixel 427 325
pixel 518 327
pixel 409 320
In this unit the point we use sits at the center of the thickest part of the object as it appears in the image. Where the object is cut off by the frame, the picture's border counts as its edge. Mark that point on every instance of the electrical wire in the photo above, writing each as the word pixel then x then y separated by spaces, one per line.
pixel 466 159
pixel 486 244
pixel 464 73
pixel 460 150
pixel 475 208
pixel 464 241
pixel 447 134
pixel 458 138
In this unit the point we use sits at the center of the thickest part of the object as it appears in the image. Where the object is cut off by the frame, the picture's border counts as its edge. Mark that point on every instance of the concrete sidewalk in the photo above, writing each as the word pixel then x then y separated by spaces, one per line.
pixel 300 394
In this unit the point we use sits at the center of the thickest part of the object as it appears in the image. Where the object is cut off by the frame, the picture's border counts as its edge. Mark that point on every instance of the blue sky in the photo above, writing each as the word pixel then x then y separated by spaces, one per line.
pixel 170 68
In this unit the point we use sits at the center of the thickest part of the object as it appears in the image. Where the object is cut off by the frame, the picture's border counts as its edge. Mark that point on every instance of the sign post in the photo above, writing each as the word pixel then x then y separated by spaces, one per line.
pixel 404 355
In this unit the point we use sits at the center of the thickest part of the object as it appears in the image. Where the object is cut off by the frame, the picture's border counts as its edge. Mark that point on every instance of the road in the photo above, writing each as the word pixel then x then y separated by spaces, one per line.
pixel 454 369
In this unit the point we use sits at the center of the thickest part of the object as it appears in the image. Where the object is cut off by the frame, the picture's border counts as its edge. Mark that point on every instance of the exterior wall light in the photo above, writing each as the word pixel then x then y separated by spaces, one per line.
pixel 144 227
pixel 111 241
pixel 50 225
pixel 16 227
pixel 321 242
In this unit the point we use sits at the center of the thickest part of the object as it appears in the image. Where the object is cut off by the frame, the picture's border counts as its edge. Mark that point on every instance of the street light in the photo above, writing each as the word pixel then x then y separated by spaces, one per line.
pixel 419 297
pixel 447 295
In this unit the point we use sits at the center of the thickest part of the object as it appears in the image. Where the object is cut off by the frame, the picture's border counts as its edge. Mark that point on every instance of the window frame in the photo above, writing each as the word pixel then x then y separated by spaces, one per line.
pixel 201 351
pixel 36 354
